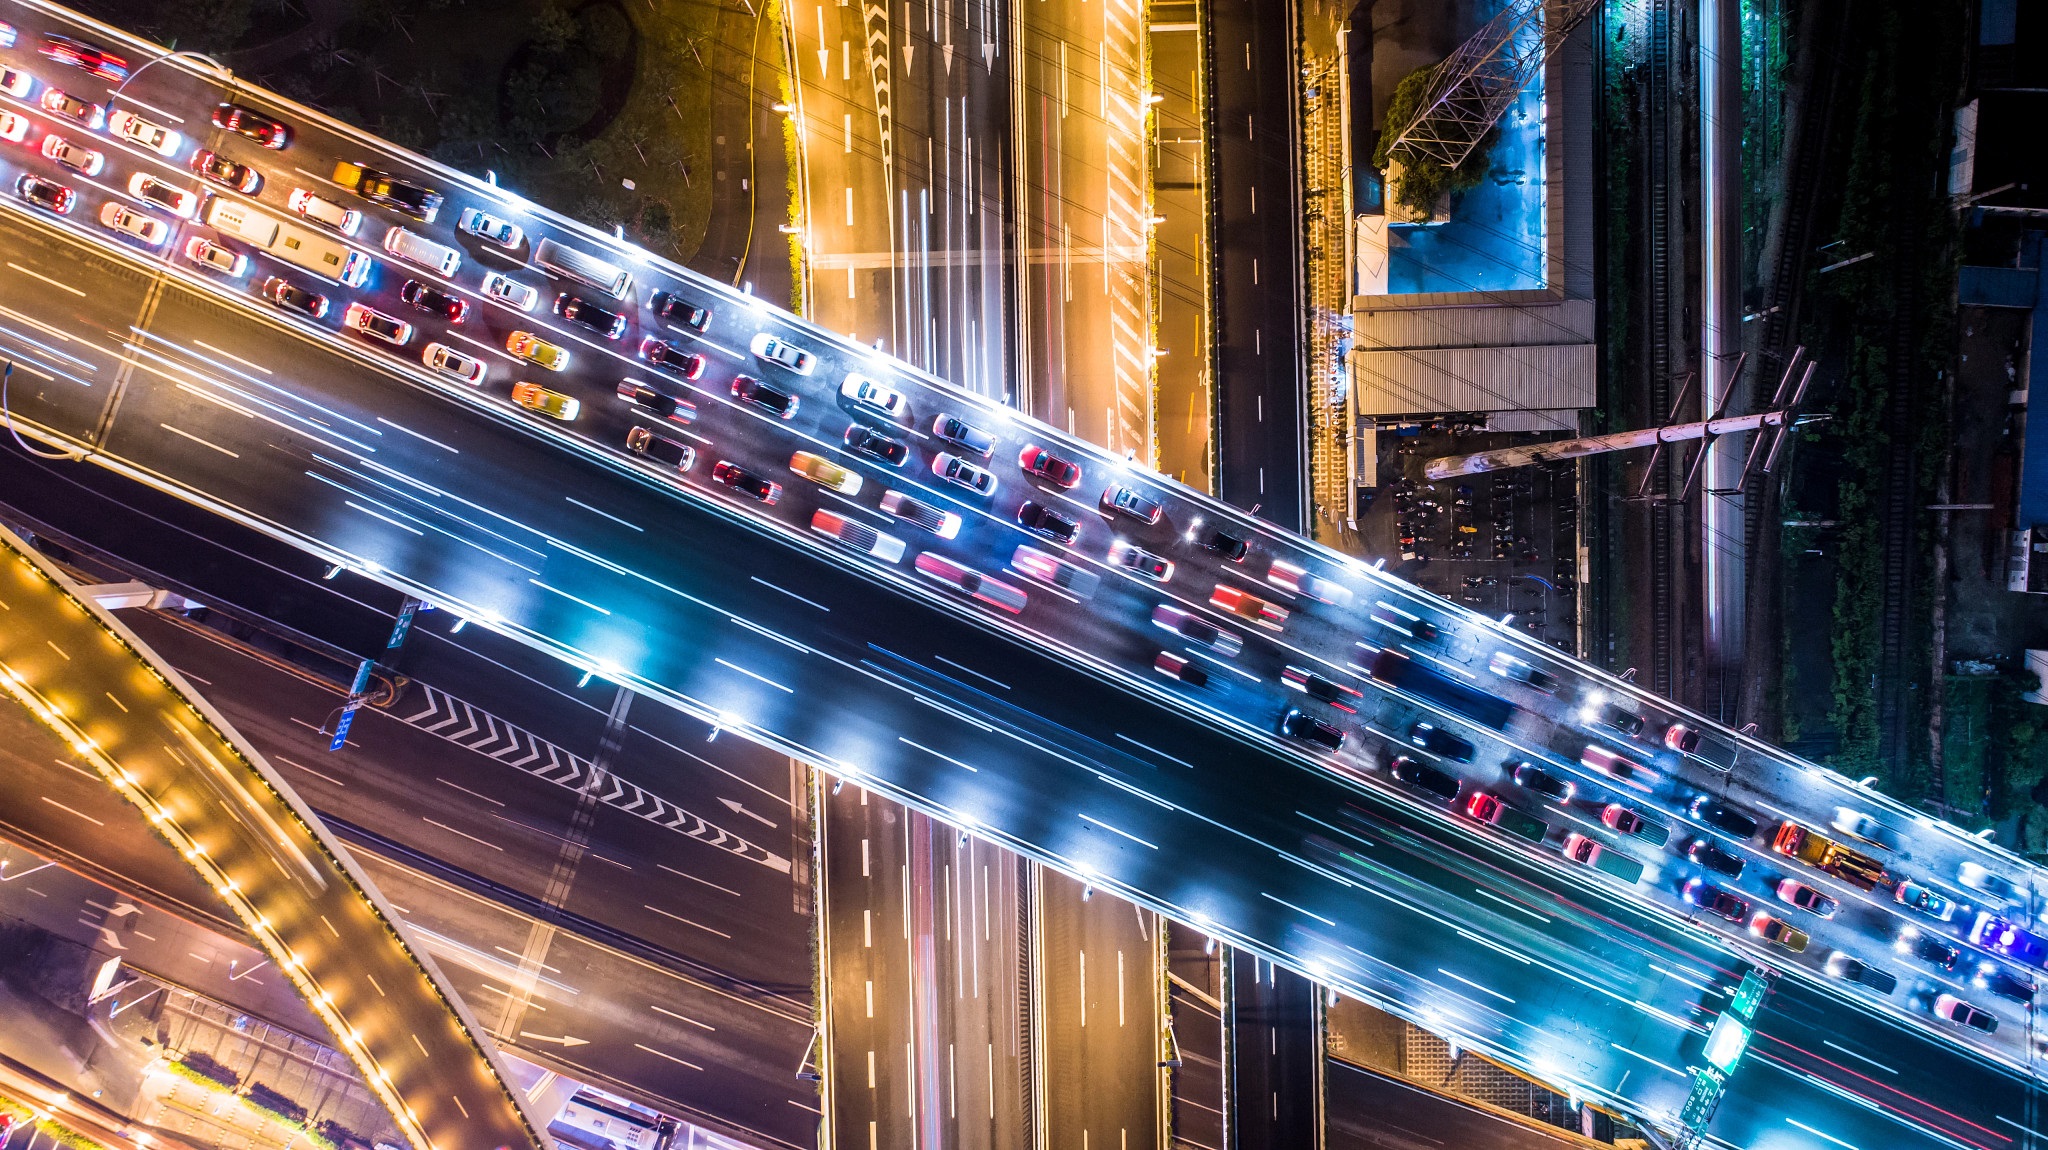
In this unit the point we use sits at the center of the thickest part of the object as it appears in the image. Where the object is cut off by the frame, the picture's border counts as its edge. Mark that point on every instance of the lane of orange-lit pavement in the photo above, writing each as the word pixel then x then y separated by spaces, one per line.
pixel 1098 1016
pixel 871 1020
pixel 211 797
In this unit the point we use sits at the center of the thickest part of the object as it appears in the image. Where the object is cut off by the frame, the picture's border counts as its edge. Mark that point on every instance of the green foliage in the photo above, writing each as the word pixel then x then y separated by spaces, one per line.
pixel 1424 181
pixel 201 25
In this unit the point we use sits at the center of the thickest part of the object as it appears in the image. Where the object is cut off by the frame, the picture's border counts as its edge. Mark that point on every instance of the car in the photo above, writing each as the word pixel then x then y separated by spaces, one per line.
pixel 1948 1006
pixel 16 82
pixel 1417 773
pixel 129 222
pixel 1625 770
pixel 489 228
pixel 1437 741
pixel 1708 897
pixel 1778 932
pixel 1046 567
pixel 874 444
pixel 382 188
pixel 2003 936
pixel 1858 825
pixel 1124 501
pixel 362 318
pixel 1299 724
pixel 553 404
pixel 1681 738
pixel 14 127
pixel 1928 948
pixel 609 324
pixel 1318 687
pixel 1036 460
pixel 216 258
pixel 1581 849
pixel 856 535
pixel 658 402
pixel 86 57
pixel 1136 559
pixel 255 125
pixel 1248 606
pixel 773 400
pixel 1231 547
pixel 325 212
pixel 1406 622
pixel 73 155
pixel 970 582
pixel 944 524
pixel 446 360
pixel 289 295
pixel 1987 882
pixel 1196 630
pixel 434 301
pixel 1520 670
pixel 786 354
pixel 1622 819
pixel 180 202
pixel 529 346
pixel 1915 895
pixel 869 394
pixel 961 473
pixel 674 308
pixel 218 169
pixel 964 435
pixel 745 482
pixel 510 292
pixel 1722 817
pixel 45 193
pixel 1620 718
pixel 1709 854
pixel 133 128
pixel 825 473
pixel 1806 898
pixel 1298 580
pixel 1180 667
pixel 1544 783
pixel 672 357
pixel 1849 969
pixel 660 448
pixel 2004 983
pixel 1039 519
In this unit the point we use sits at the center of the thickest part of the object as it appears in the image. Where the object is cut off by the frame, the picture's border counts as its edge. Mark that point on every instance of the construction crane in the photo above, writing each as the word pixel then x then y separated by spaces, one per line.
pixel 1475 85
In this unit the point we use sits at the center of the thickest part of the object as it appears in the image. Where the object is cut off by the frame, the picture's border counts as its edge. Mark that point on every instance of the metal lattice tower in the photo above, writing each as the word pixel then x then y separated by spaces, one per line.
pixel 1475 85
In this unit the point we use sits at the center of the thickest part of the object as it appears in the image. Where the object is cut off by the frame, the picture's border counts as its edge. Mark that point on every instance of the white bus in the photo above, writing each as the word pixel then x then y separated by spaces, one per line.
pixel 570 264
pixel 324 257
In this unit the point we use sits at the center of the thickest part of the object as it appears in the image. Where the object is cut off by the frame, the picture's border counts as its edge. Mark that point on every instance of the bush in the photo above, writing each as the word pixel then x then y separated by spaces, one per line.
pixel 206 1070
pixel 1424 181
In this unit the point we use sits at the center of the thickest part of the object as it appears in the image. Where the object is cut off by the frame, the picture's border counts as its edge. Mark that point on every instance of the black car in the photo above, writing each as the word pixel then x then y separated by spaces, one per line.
pixel 1544 783
pixel 1320 688
pixel 672 357
pixel 292 297
pixel 1298 724
pixel 420 203
pixel 747 389
pixel 1227 545
pixel 1930 949
pixel 609 324
pixel 1039 519
pixel 1436 740
pixel 434 301
pixel 661 448
pixel 2003 983
pixel 868 441
pixel 1849 969
pixel 44 193
pixel 1723 817
pixel 745 482
pixel 1709 855
pixel 1417 773
pixel 216 168
pixel 253 124
pixel 665 406
pixel 1620 718
pixel 670 306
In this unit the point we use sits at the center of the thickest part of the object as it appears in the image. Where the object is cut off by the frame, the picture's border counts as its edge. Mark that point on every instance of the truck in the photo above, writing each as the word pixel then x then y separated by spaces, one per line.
pixel 422 204
pixel 1824 854
pixel 1586 850
pixel 1436 687
pixel 1489 809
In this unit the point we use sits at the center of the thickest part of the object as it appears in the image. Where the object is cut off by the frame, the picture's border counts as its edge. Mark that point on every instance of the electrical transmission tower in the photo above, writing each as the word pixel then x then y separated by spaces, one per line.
pixel 1475 85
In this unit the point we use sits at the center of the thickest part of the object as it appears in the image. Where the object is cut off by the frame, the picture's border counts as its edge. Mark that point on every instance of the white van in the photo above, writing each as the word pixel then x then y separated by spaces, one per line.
pixel 415 248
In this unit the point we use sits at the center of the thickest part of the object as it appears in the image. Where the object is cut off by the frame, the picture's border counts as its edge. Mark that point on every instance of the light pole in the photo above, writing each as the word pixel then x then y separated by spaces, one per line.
pixel 226 74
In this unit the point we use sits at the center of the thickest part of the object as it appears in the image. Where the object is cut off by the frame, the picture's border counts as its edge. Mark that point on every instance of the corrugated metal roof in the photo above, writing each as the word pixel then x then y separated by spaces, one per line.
pixel 1545 377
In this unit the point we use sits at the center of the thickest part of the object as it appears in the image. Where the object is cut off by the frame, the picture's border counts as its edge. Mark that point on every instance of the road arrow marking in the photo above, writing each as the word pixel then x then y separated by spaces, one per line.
pixel 564 1040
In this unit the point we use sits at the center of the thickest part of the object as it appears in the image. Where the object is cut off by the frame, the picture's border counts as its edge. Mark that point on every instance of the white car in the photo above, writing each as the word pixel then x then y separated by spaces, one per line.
pixel 486 226
pixel 866 392
pixel 181 202
pixel 788 355
pixel 446 360
pixel 326 213
pixel 16 82
pixel 155 137
pixel 14 127
pixel 214 257
pixel 73 155
pixel 857 535
pixel 130 222
pixel 510 292
pixel 366 320
pixel 953 469
pixel 1300 582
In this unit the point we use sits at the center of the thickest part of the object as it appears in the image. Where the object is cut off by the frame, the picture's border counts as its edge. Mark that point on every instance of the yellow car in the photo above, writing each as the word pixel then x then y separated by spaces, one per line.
pixel 527 345
pixel 534 397
pixel 818 469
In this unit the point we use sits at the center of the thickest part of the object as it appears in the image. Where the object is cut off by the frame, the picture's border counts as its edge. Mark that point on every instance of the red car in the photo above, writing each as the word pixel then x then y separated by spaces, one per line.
pixel 80 54
pixel 1049 467
pixel 1709 897
pixel 247 122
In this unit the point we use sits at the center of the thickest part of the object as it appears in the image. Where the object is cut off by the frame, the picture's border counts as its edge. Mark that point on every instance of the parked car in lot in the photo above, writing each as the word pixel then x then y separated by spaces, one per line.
pixel 661 449
pixel 136 130
pixel 779 351
pixel 448 361
pixel 218 169
pixel 553 404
